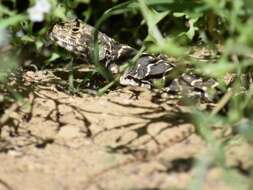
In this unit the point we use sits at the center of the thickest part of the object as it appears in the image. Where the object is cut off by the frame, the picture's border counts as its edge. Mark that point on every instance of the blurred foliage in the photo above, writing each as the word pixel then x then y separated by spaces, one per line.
pixel 172 27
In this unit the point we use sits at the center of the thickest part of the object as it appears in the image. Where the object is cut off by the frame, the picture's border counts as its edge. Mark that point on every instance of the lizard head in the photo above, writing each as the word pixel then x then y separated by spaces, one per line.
pixel 77 37
pixel 73 35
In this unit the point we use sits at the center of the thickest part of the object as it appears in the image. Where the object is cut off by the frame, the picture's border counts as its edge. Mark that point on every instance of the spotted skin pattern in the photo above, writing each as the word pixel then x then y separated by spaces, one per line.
pixel 77 36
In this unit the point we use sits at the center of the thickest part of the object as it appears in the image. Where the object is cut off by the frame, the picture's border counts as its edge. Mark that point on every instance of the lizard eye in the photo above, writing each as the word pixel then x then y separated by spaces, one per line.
pixel 77 22
pixel 75 29
pixel 61 23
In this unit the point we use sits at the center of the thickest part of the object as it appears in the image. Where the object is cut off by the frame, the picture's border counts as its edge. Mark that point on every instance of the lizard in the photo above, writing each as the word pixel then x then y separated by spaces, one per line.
pixel 77 37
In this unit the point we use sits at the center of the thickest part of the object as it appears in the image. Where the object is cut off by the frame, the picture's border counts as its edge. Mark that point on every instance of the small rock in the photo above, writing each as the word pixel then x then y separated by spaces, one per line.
pixel 69 132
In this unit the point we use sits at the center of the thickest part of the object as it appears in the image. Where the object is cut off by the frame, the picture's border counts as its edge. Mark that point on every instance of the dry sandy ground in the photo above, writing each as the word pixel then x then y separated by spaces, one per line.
pixel 126 139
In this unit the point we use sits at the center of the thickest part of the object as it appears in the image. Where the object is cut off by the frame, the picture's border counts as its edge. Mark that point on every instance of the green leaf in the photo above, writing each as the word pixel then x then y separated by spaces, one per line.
pixel 27 38
pixel 53 57
pixel 192 20
pixel 38 44
pixel 8 63
pixel 4 10
pixel 158 2
pixel 169 47
pixel 13 20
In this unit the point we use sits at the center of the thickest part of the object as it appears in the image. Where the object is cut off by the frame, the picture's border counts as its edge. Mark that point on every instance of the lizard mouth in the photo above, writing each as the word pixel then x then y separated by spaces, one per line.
pixel 65 44
pixel 60 41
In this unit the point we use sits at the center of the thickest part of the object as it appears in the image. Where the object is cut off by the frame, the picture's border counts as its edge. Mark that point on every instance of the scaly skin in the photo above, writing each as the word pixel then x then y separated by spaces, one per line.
pixel 76 36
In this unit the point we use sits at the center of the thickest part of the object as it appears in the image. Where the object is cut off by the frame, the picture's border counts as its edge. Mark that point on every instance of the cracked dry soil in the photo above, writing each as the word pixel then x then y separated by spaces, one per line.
pixel 126 139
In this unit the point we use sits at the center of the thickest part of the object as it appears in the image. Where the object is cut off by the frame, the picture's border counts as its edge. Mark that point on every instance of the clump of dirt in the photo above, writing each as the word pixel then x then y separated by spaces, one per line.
pixel 127 139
